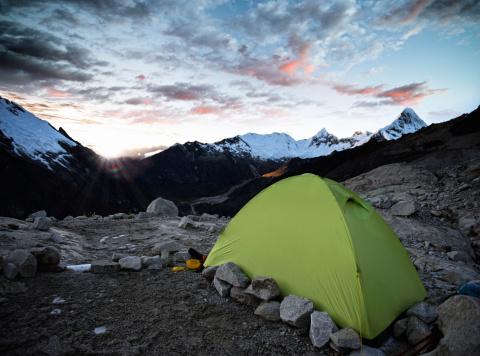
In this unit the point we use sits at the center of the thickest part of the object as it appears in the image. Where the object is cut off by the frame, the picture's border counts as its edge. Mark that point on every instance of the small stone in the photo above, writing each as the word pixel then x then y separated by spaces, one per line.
pixel 131 263
pixel 207 217
pixel 367 351
pixel 181 256
pixel 424 311
pixel 10 270
pixel 164 246
pixel 416 330
pixel 400 327
pixel 42 224
pixel 295 310
pixel 231 273
pixel 155 261
pixel 68 218
pixel 145 215
pixel 47 255
pixel 24 260
pixel 321 326
pixel 118 256
pixel 436 213
pixel 459 256
pixel 223 288
pixel 269 310
pixel 405 208
pixel 238 294
pixel 345 339
pixel 263 288
pixel 186 223
pixel 382 202
pixel 209 272
pixel 104 267
pixel 38 214
pixel 56 238
pixel 121 216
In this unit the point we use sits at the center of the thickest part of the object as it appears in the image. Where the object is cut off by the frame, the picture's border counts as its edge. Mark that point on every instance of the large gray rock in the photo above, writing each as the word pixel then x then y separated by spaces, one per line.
pixel 223 288
pixel 118 256
pixel 104 267
pixel 163 206
pixel 416 330
pixel 48 255
pixel 405 208
pixel 269 310
pixel 210 272
pixel 321 326
pixel 367 351
pixel 457 256
pixel 181 256
pixel 38 214
pixel 121 216
pixel 424 311
pixel 231 273
pixel 238 294
pixel 345 339
pixel 131 263
pixel 295 310
pixel 42 224
pixel 207 217
pixel 24 260
pixel 459 322
pixel 263 288
pixel 10 271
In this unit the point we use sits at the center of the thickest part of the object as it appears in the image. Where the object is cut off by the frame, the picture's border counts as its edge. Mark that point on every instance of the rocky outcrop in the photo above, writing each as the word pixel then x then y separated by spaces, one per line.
pixel 163 206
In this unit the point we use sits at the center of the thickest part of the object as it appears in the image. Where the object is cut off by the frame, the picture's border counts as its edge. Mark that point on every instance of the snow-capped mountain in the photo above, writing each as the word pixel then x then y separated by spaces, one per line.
pixel 281 146
pixel 28 136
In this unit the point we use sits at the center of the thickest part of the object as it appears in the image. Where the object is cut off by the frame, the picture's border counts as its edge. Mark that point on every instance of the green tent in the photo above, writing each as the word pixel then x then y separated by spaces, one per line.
pixel 321 241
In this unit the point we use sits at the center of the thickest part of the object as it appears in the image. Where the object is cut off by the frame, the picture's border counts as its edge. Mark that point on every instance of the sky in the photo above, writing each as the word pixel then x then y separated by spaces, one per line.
pixel 135 76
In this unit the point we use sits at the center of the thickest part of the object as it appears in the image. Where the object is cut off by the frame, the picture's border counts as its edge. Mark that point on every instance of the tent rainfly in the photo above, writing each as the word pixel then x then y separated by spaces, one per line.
pixel 321 241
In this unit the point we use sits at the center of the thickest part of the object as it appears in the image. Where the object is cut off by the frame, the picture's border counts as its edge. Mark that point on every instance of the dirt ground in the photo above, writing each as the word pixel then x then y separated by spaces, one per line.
pixel 129 313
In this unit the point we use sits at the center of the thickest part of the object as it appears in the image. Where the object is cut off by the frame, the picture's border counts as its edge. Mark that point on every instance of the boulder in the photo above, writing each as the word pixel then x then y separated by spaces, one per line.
pixel 269 310
pixel 163 206
pixel 24 260
pixel 263 288
pixel 459 322
pixel 68 218
pixel 382 202
pixel 186 223
pixel 295 310
pixel 367 351
pixel 424 311
pixel 210 272
pixel 104 267
pixel 38 214
pixel 223 288
pixel 321 326
pixel 207 217
pixel 145 215
pixel 238 294
pixel 131 263
pixel 121 216
pixel 345 339
pixel 56 238
pixel 48 255
pixel 416 330
pixel 405 208
pixel 42 224
pixel 231 273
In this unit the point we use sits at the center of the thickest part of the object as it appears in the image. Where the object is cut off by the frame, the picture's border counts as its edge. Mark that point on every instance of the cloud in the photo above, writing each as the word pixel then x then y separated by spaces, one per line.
pixel 410 94
pixel 57 94
pixel 375 71
pixel 141 77
pixel 202 110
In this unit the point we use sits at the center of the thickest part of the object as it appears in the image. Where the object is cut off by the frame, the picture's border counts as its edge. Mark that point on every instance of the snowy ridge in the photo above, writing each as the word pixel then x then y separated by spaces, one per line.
pixel 31 136
pixel 281 146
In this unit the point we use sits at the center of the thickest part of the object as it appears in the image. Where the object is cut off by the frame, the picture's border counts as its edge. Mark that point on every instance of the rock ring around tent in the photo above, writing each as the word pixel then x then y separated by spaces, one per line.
pixel 321 241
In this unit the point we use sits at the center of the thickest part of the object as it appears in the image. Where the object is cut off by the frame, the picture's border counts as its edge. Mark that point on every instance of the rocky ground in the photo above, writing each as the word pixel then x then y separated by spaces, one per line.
pixel 162 312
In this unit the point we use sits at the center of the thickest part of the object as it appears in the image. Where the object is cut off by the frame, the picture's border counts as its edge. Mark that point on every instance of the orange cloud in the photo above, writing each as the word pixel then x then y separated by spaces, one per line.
pixel 57 94
pixel 202 110
pixel 141 77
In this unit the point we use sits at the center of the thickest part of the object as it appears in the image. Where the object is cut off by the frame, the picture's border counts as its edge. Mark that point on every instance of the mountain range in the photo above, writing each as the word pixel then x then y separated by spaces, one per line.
pixel 45 168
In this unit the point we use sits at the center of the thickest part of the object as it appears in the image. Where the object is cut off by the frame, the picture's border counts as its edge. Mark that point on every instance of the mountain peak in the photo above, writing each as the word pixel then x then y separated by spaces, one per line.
pixel 322 133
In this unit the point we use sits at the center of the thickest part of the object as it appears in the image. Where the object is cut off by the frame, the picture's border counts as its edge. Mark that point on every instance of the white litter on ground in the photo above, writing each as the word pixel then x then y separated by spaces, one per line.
pixel 100 330
pixel 56 311
pixel 80 268
pixel 58 300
